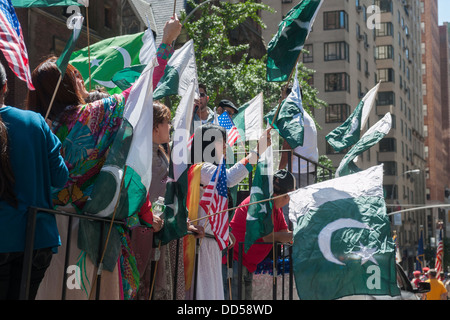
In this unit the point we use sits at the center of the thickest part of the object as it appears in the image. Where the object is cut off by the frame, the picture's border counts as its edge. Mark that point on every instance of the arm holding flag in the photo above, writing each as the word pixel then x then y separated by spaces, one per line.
pixel 172 30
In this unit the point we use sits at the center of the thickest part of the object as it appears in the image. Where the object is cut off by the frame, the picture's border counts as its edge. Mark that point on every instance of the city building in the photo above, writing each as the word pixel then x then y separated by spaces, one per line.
pixel 435 87
pixel 352 47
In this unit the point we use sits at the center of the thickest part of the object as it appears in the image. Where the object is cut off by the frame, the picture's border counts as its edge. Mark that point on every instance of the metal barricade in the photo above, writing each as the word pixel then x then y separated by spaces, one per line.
pixel 326 173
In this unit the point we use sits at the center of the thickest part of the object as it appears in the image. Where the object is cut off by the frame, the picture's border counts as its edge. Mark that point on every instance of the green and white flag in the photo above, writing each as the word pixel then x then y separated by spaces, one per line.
pixel 131 155
pixel 112 55
pixel 76 24
pixel 289 120
pixel 259 216
pixel 377 132
pixel 175 213
pixel 349 132
pixel 249 119
pixel 342 238
pixel 123 182
pixel 45 3
pixel 285 47
pixel 181 69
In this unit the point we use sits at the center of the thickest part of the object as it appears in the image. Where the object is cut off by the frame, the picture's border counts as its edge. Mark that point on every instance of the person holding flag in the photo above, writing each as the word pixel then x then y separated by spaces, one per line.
pixel 86 132
pixel 207 152
pixel 283 183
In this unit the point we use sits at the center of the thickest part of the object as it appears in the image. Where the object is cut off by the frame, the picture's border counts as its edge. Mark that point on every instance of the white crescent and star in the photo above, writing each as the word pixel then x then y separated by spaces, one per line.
pixel 324 240
pixel 126 64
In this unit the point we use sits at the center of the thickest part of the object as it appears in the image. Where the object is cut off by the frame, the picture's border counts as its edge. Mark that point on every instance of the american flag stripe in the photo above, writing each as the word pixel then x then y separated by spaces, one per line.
pixel 225 121
pixel 214 200
pixel 439 253
pixel 12 44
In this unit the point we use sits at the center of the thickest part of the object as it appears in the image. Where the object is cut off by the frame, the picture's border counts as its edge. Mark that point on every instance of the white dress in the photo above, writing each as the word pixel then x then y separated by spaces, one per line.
pixel 209 284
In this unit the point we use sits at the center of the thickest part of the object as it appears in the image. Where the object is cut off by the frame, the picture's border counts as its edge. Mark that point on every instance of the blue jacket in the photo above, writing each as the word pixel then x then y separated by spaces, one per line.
pixel 38 166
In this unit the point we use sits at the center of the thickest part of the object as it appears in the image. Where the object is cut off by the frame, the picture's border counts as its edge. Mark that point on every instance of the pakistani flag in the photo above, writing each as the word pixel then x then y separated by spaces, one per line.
pixel 112 55
pixel 124 180
pixel 259 216
pixel 181 69
pixel 175 213
pixel 45 3
pixel 76 24
pixel 342 238
pixel 349 132
pixel 289 119
pixel 377 132
pixel 249 119
pixel 285 47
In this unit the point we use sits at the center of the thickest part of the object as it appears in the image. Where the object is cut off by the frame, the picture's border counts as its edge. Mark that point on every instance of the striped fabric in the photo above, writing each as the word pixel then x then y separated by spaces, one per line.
pixel 232 132
pixel 12 44
pixel 439 255
pixel 214 200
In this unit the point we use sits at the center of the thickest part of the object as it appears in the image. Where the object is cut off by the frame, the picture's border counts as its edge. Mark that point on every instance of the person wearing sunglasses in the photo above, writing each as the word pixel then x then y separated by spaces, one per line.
pixel 202 113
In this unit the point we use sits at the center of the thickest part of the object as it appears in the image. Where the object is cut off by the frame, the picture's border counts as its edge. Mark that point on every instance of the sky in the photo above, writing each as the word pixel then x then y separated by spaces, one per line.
pixel 444 11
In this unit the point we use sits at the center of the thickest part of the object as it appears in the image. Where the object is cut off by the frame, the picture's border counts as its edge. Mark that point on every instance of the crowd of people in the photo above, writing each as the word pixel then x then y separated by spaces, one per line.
pixel 53 163
pixel 439 283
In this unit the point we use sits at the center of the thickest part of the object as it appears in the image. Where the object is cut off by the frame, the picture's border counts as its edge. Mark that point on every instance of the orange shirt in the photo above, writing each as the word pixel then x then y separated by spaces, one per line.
pixel 437 289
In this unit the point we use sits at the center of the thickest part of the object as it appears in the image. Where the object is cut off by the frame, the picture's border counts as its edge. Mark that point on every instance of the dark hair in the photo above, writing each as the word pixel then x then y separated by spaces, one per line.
pixel 7 179
pixel 202 86
pixel 283 182
pixel 160 113
pixel 213 131
pixel 45 78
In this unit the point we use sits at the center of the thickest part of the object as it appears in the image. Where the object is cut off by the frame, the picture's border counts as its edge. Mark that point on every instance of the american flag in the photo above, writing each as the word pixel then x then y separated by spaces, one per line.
pixel 232 132
pixel 215 199
pixel 12 44
pixel 439 254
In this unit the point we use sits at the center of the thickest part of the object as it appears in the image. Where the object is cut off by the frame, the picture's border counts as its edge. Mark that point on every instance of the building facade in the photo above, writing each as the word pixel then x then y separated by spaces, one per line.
pixel 435 68
pixel 352 47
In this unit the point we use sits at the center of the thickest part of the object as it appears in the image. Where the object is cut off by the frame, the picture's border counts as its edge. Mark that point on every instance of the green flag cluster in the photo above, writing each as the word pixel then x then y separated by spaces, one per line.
pixel 175 213
pixel 289 117
pixel 349 132
pixel 342 238
pixel 181 69
pixel 377 132
pixel 285 47
pixel 249 119
pixel 109 56
pixel 122 185
pixel 259 216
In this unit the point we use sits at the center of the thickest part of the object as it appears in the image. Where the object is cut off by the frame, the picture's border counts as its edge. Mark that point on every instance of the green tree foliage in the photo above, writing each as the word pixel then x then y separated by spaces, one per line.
pixel 227 68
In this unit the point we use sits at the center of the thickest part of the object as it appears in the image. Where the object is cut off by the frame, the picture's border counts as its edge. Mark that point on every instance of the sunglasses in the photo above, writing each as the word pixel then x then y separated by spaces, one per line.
pixel 202 94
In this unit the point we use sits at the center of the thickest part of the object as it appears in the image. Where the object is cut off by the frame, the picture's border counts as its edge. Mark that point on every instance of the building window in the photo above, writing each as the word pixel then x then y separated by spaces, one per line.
pixel 390 168
pixel 386 29
pixel 337 113
pixel 388 145
pixel 336 51
pixel 108 18
pixel 308 53
pixel 384 52
pixel 384 5
pixel 337 82
pixel 386 98
pixel 335 20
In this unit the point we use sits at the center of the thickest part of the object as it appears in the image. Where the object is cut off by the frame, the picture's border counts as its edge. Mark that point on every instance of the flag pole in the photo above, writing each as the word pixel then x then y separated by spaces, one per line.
pixel 174 7
pixel 53 97
pixel 89 46
pixel 285 86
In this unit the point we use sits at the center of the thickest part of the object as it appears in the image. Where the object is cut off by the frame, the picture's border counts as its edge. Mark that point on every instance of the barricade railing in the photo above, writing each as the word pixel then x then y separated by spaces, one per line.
pixel 326 173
